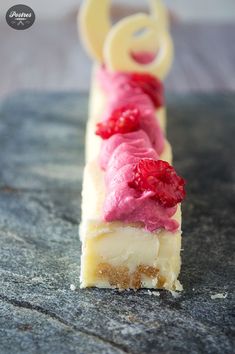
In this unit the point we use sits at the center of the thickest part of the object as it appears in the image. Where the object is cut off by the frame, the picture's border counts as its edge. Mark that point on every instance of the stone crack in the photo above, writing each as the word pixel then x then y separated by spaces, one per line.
pixel 27 305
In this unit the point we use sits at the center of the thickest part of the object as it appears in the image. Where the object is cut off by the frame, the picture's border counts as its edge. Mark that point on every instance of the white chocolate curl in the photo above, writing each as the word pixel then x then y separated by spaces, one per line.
pixel 118 47
pixel 94 24
pixel 114 45
pixel 160 13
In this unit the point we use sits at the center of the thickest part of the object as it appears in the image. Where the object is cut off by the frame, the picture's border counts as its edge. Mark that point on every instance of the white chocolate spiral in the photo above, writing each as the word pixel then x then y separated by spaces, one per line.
pixel 118 47
pixel 114 44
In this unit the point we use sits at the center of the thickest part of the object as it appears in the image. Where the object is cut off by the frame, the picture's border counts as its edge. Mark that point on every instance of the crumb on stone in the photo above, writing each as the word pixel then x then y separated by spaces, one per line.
pixel 219 296
pixel 154 293
pixel 175 294
pixel 72 287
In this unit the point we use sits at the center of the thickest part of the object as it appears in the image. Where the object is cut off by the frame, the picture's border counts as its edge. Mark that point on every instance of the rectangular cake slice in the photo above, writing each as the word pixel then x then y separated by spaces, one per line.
pixel 124 255
pixel 131 198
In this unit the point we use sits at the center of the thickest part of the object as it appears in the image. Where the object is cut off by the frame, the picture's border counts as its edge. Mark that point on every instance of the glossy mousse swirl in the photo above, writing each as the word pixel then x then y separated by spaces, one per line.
pixel 121 152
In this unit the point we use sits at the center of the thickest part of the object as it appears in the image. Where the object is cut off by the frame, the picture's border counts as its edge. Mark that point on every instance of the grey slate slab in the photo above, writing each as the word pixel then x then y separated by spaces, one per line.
pixel 41 156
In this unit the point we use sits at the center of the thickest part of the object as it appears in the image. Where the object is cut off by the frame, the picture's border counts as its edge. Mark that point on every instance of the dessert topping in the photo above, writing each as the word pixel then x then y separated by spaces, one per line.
pixel 150 85
pixel 159 177
pixel 123 120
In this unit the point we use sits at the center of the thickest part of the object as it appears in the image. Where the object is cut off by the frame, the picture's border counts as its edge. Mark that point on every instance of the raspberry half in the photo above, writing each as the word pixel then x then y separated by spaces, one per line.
pixel 123 120
pixel 161 178
pixel 150 85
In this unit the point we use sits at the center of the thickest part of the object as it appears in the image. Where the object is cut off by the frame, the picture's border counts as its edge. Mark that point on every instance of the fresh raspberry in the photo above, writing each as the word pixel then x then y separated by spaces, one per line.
pixel 123 120
pixel 161 178
pixel 150 85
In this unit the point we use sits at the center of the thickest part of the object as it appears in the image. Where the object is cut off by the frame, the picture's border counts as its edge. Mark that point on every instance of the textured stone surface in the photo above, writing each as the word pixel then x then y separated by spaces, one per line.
pixel 41 155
